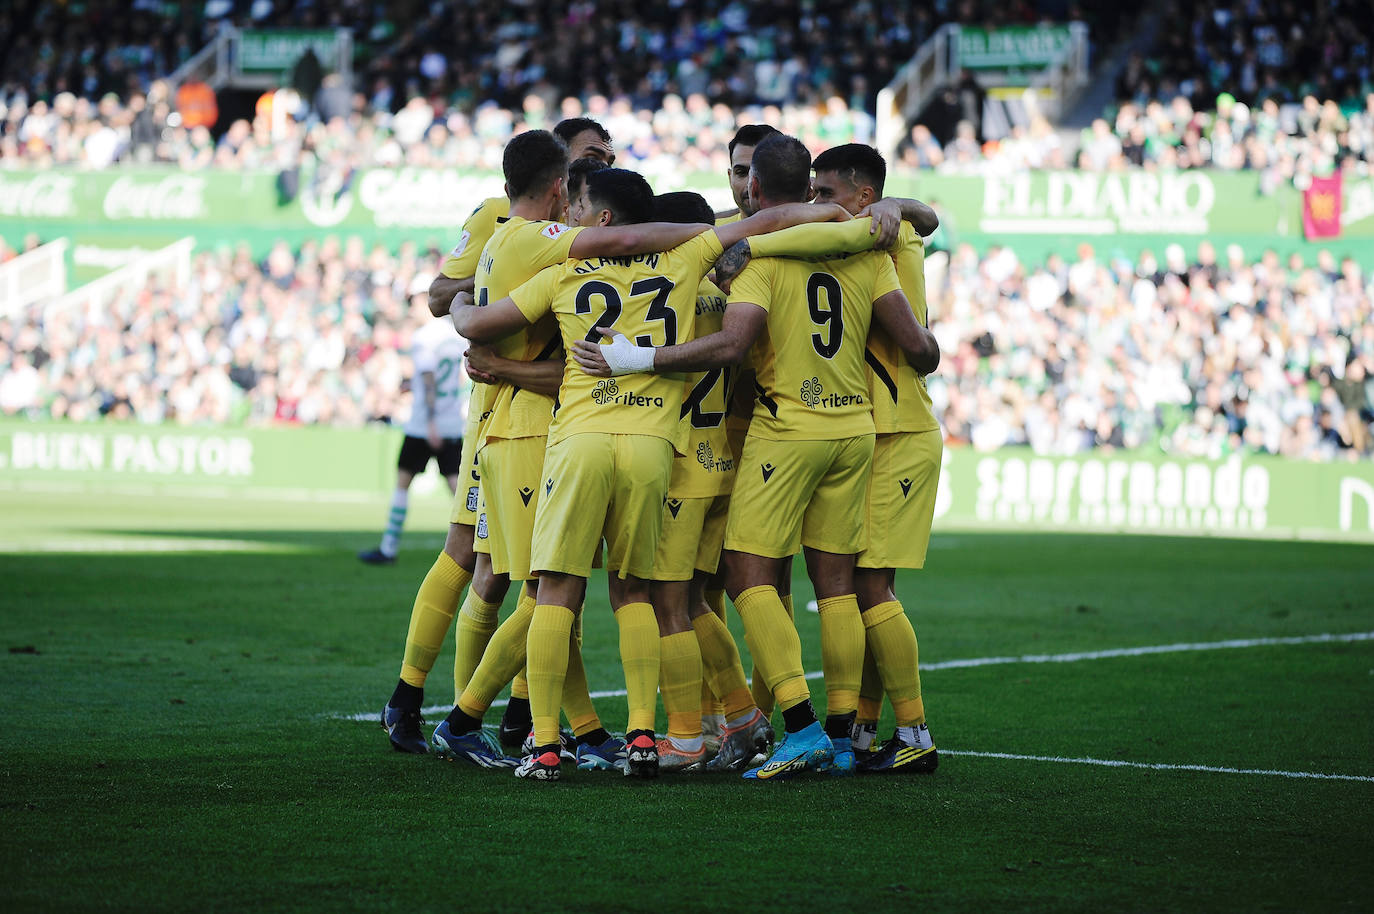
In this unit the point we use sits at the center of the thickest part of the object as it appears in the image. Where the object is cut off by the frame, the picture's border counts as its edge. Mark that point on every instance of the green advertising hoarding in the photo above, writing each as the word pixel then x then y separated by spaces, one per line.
pixel 105 214
pixel 1010 48
pixel 1003 490
pixel 275 50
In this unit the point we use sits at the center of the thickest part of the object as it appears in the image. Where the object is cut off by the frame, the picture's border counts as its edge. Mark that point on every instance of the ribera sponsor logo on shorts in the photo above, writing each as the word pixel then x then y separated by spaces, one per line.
pixel 607 392
pixel 1124 493
pixel 814 396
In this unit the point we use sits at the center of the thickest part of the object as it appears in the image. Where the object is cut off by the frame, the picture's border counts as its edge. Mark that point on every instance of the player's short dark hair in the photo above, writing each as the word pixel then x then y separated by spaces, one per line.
pixel 625 193
pixel 533 160
pixel 783 167
pixel 856 162
pixel 571 127
pixel 578 169
pixel 684 206
pixel 750 135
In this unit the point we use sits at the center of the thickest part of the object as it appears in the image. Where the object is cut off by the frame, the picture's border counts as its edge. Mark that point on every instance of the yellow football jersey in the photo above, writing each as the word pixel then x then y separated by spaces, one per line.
pixel 809 361
pixel 707 466
pixel 900 400
pixel 518 250
pixel 461 262
pixel 651 298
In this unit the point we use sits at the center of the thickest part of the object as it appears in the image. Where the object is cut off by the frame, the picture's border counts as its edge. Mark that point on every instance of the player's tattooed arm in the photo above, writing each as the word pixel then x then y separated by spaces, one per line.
pixel 442 290
pixel 740 326
pixel 731 263
pixel 893 311
pixel 890 212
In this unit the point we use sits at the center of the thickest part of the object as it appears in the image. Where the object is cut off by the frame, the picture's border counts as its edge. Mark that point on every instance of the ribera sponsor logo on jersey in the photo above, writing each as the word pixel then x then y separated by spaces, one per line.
pixel 608 393
pixel 711 461
pixel 814 396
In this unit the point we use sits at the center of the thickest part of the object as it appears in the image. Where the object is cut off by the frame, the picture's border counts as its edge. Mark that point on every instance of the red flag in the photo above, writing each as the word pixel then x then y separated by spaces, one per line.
pixel 1321 208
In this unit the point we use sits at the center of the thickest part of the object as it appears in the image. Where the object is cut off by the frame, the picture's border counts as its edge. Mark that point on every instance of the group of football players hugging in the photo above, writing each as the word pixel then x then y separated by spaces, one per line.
pixel 690 431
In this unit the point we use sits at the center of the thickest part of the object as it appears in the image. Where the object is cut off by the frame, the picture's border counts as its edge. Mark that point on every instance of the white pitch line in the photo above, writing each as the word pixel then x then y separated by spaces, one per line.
pixel 1025 658
pixel 1159 766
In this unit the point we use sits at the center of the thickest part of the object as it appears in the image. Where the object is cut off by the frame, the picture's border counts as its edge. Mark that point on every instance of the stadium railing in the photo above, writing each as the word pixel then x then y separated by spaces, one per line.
pixel 173 262
pixel 37 275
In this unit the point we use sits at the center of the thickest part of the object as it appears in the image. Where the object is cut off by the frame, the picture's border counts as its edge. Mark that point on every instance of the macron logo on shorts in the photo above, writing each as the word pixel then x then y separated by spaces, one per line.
pixel 906 487
pixel 553 230
pixel 767 469
pixel 674 506
pixel 526 493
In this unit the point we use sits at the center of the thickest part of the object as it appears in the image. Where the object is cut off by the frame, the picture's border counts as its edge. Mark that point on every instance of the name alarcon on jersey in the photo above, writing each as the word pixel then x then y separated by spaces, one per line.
pixel 591 266
pixel 608 393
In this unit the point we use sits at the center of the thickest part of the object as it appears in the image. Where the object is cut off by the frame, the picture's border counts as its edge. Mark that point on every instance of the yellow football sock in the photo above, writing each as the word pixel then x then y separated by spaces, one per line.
pixel 893 643
pixel 547 653
pixel 435 604
pixel 679 682
pixel 504 657
pixel 721 667
pixel 870 690
pixel 577 700
pixel 787 605
pixel 842 652
pixel 520 685
pixel 774 642
pixel 476 624
pixel 716 600
pixel 639 655
pixel 708 698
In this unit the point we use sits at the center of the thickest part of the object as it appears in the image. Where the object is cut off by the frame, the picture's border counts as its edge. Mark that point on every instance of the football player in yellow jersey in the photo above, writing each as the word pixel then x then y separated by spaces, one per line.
pixel 802 477
pixel 610 447
pixel 437 599
pixel 695 643
pixel 901 491
pixel 513 431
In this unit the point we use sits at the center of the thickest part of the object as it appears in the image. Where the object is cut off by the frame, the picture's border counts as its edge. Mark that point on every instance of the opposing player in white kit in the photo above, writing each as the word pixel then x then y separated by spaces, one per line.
pixel 437 416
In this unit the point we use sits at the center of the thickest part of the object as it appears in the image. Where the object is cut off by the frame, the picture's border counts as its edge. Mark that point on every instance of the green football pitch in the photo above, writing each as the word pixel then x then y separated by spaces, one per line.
pixel 1125 723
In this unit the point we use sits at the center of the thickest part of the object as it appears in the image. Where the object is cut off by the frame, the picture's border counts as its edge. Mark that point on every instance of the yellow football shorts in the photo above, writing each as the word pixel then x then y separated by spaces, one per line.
pixel 790 494
pixel 901 499
pixel 599 485
pixel 693 533
pixel 512 475
pixel 468 498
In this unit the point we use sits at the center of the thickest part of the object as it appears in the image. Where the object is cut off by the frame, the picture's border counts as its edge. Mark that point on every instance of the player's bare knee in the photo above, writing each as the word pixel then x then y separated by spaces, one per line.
pixel 458 545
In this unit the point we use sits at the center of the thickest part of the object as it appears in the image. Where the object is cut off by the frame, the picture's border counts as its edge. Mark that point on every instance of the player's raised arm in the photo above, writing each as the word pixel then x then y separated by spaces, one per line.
pixel 809 240
pixel 777 218
pixel 624 240
pixel 890 212
pixel 893 311
pixel 740 326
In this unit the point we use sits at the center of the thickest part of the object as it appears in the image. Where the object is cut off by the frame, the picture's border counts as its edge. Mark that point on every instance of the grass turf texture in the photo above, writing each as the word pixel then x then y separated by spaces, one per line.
pixel 171 739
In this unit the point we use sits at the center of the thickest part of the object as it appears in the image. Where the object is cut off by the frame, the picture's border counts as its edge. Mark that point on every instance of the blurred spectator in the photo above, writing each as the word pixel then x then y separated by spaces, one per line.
pixel 1201 359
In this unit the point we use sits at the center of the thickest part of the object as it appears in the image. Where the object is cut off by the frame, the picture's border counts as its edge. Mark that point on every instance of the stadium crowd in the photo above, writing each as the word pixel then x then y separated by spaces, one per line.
pixel 1202 357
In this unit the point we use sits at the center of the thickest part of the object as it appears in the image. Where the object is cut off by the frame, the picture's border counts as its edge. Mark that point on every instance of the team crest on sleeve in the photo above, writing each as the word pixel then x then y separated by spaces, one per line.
pixel 461 246
pixel 553 230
